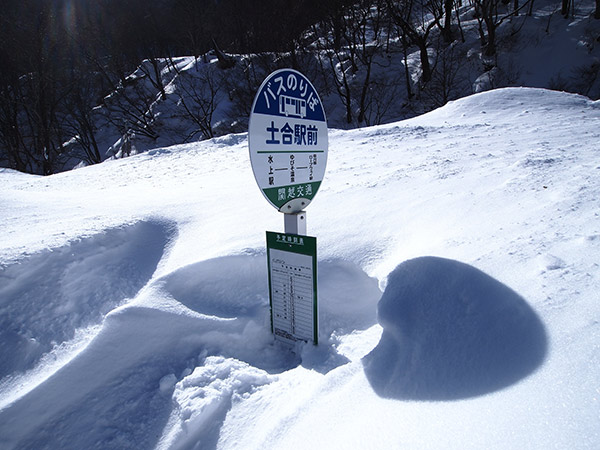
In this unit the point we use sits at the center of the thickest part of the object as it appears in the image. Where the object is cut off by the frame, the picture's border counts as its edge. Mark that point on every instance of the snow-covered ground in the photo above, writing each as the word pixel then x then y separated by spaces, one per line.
pixel 458 269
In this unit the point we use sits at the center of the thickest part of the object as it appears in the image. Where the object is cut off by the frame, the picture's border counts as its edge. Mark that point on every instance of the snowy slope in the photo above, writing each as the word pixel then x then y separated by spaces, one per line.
pixel 134 311
pixel 544 50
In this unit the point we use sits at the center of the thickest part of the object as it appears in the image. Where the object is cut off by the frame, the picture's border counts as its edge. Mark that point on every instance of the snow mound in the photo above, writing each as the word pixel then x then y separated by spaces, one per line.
pixel 51 294
pixel 228 287
pixel 203 399
pixel 498 106
pixel 450 331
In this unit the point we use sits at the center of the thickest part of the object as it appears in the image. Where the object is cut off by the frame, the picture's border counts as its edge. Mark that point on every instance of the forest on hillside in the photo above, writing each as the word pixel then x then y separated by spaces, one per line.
pixel 67 67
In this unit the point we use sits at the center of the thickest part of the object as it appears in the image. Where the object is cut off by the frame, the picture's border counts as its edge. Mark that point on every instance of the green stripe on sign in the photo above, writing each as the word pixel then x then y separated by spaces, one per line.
pixel 279 196
pixel 304 245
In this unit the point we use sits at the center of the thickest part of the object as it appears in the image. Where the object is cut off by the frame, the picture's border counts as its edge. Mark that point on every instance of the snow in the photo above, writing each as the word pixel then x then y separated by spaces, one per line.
pixel 458 286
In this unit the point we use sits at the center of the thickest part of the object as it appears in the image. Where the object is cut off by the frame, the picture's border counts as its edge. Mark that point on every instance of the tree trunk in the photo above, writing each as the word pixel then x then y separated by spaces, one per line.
pixel 447 30
pixel 337 31
pixel 225 62
pixel 348 101
pixel 159 81
pixel 363 95
pixel 424 56
pixel 94 151
pixel 406 71
pixel 462 34
pixel 490 46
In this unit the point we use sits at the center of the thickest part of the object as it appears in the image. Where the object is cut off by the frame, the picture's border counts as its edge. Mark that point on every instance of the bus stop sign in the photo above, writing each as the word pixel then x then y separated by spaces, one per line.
pixel 287 138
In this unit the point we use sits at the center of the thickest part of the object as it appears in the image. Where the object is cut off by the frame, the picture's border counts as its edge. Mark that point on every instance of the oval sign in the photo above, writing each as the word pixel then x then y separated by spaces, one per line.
pixel 287 138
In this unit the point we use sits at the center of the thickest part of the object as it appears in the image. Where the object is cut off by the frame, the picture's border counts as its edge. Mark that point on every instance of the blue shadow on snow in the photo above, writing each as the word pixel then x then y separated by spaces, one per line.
pixel 451 332
pixel 45 297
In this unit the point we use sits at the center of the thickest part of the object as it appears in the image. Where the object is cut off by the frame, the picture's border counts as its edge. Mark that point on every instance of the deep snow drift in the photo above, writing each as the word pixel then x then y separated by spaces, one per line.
pixel 458 286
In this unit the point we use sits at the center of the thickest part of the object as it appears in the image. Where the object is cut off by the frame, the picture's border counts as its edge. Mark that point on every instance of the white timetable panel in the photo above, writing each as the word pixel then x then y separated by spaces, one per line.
pixel 292 285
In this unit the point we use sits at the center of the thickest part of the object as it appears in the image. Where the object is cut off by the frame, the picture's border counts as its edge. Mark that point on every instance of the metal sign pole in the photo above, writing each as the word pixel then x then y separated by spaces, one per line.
pixel 295 223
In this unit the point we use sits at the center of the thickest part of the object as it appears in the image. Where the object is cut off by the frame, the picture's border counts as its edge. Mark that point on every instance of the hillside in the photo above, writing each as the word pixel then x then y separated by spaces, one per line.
pixel 102 91
pixel 458 281
pixel 544 50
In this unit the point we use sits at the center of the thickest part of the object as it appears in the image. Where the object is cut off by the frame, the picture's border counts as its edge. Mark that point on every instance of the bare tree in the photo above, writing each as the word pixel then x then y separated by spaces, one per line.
pixel 369 25
pixel 195 17
pixel 31 90
pixel 488 13
pixel 352 39
pixel 200 94
pixel 332 34
pixel 415 20
pixel 81 118
pixel 565 7
pixel 13 150
pixel 446 28
pixel 448 81
pixel 131 102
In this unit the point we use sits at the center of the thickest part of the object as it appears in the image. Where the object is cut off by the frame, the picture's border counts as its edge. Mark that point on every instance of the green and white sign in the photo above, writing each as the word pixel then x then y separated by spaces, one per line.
pixel 292 262
pixel 287 137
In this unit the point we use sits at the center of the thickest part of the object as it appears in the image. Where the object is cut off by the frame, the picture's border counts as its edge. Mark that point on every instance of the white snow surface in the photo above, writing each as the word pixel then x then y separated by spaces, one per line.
pixel 458 286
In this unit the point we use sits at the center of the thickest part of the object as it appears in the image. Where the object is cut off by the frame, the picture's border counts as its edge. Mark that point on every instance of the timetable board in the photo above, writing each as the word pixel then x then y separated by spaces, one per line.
pixel 292 263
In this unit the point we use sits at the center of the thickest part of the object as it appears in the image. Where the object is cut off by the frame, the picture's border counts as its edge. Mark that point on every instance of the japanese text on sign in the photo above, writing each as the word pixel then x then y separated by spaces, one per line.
pixel 290 105
pixel 292 286
pixel 299 135
pixel 288 140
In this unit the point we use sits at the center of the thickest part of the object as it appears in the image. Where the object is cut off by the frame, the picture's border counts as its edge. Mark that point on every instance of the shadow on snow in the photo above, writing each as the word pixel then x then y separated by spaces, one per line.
pixel 47 296
pixel 204 325
pixel 450 332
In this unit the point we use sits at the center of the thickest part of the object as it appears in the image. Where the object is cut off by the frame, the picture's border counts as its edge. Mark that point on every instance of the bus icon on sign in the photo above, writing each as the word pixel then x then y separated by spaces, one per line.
pixel 291 106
